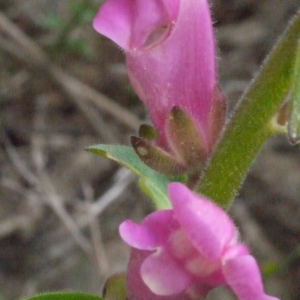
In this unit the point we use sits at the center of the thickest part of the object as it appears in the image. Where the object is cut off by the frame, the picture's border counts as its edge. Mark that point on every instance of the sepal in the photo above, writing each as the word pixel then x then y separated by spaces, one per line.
pixel 115 287
pixel 147 132
pixel 156 158
pixel 184 138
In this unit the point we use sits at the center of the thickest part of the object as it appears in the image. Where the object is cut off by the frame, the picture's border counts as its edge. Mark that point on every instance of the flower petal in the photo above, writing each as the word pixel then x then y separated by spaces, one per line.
pixel 137 289
pixel 172 7
pixel 235 251
pixel 151 23
pixel 243 277
pixel 114 21
pixel 151 233
pixel 163 275
pixel 179 71
pixel 209 228
pixel 133 23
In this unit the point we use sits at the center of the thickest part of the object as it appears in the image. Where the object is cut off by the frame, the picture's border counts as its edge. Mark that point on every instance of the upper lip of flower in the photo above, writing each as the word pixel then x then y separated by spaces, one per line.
pixel 156 36
pixel 170 57
pixel 136 25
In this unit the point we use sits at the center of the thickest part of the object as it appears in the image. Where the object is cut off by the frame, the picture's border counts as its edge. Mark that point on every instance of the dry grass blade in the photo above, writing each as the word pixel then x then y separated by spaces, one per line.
pixel 123 178
pixel 96 236
pixel 53 199
pixel 29 52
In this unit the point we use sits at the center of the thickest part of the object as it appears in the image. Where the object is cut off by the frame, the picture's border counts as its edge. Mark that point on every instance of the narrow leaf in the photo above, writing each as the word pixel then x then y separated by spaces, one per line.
pixel 155 182
pixel 64 296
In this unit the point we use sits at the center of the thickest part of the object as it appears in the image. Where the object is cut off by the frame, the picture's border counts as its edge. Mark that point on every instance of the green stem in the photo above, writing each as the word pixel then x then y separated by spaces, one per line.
pixel 249 127
pixel 294 121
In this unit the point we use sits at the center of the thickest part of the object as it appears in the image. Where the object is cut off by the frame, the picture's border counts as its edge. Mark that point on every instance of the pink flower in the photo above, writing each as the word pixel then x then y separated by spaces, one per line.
pixel 185 252
pixel 170 56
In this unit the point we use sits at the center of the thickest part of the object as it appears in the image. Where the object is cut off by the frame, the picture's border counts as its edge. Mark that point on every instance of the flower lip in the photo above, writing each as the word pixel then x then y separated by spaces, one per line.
pixel 157 36
pixel 197 214
pixel 113 21
pixel 151 233
pixel 170 256
pixel 136 24
pixel 156 270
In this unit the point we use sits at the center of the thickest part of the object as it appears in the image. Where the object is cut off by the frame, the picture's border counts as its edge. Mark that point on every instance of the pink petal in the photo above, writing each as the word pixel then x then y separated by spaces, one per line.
pixel 235 251
pixel 163 275
pixel 137 289
pixel 209 228
pixel 150 24
pixel 130 23
pixel 172 7
pixel 179 71
pixel 243 277
pixel 114 21
pixel 151 233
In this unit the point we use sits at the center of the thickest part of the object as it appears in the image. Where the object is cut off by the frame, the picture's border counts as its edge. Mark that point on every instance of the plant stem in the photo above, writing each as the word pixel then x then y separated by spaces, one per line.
pixel 248 127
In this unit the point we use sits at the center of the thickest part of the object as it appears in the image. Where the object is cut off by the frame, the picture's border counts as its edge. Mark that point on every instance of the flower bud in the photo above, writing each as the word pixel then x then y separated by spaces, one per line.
pixel 170 57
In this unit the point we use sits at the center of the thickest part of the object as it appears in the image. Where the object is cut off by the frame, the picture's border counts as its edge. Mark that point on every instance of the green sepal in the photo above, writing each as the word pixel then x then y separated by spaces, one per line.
pixel 185 138
pixel 294 121
pixel 152 180
pixel 64 296
pixel 147 132
pixel 156 158
pixel 115 287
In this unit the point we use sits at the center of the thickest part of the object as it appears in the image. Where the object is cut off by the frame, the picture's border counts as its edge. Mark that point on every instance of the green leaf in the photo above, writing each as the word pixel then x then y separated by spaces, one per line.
pixel 153 183
pixel 294 122
pixel 249 126
pixel 64 296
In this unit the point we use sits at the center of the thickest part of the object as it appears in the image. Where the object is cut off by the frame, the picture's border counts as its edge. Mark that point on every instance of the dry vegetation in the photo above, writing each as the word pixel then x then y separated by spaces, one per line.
pixel 62 88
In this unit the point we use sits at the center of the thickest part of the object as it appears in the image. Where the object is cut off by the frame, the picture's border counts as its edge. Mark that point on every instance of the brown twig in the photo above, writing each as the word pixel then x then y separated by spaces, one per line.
pixel 96 236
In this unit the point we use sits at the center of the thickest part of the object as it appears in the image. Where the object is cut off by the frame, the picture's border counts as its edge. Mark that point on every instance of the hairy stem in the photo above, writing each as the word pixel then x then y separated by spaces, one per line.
pixel 248 127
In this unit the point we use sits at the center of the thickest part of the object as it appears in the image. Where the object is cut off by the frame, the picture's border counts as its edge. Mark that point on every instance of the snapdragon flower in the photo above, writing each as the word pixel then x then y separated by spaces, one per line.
pixel 185 252
pixel 170 58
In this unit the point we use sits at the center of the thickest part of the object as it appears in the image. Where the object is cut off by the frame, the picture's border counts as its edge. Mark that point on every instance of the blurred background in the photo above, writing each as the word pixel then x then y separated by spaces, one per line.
pixel 63 87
